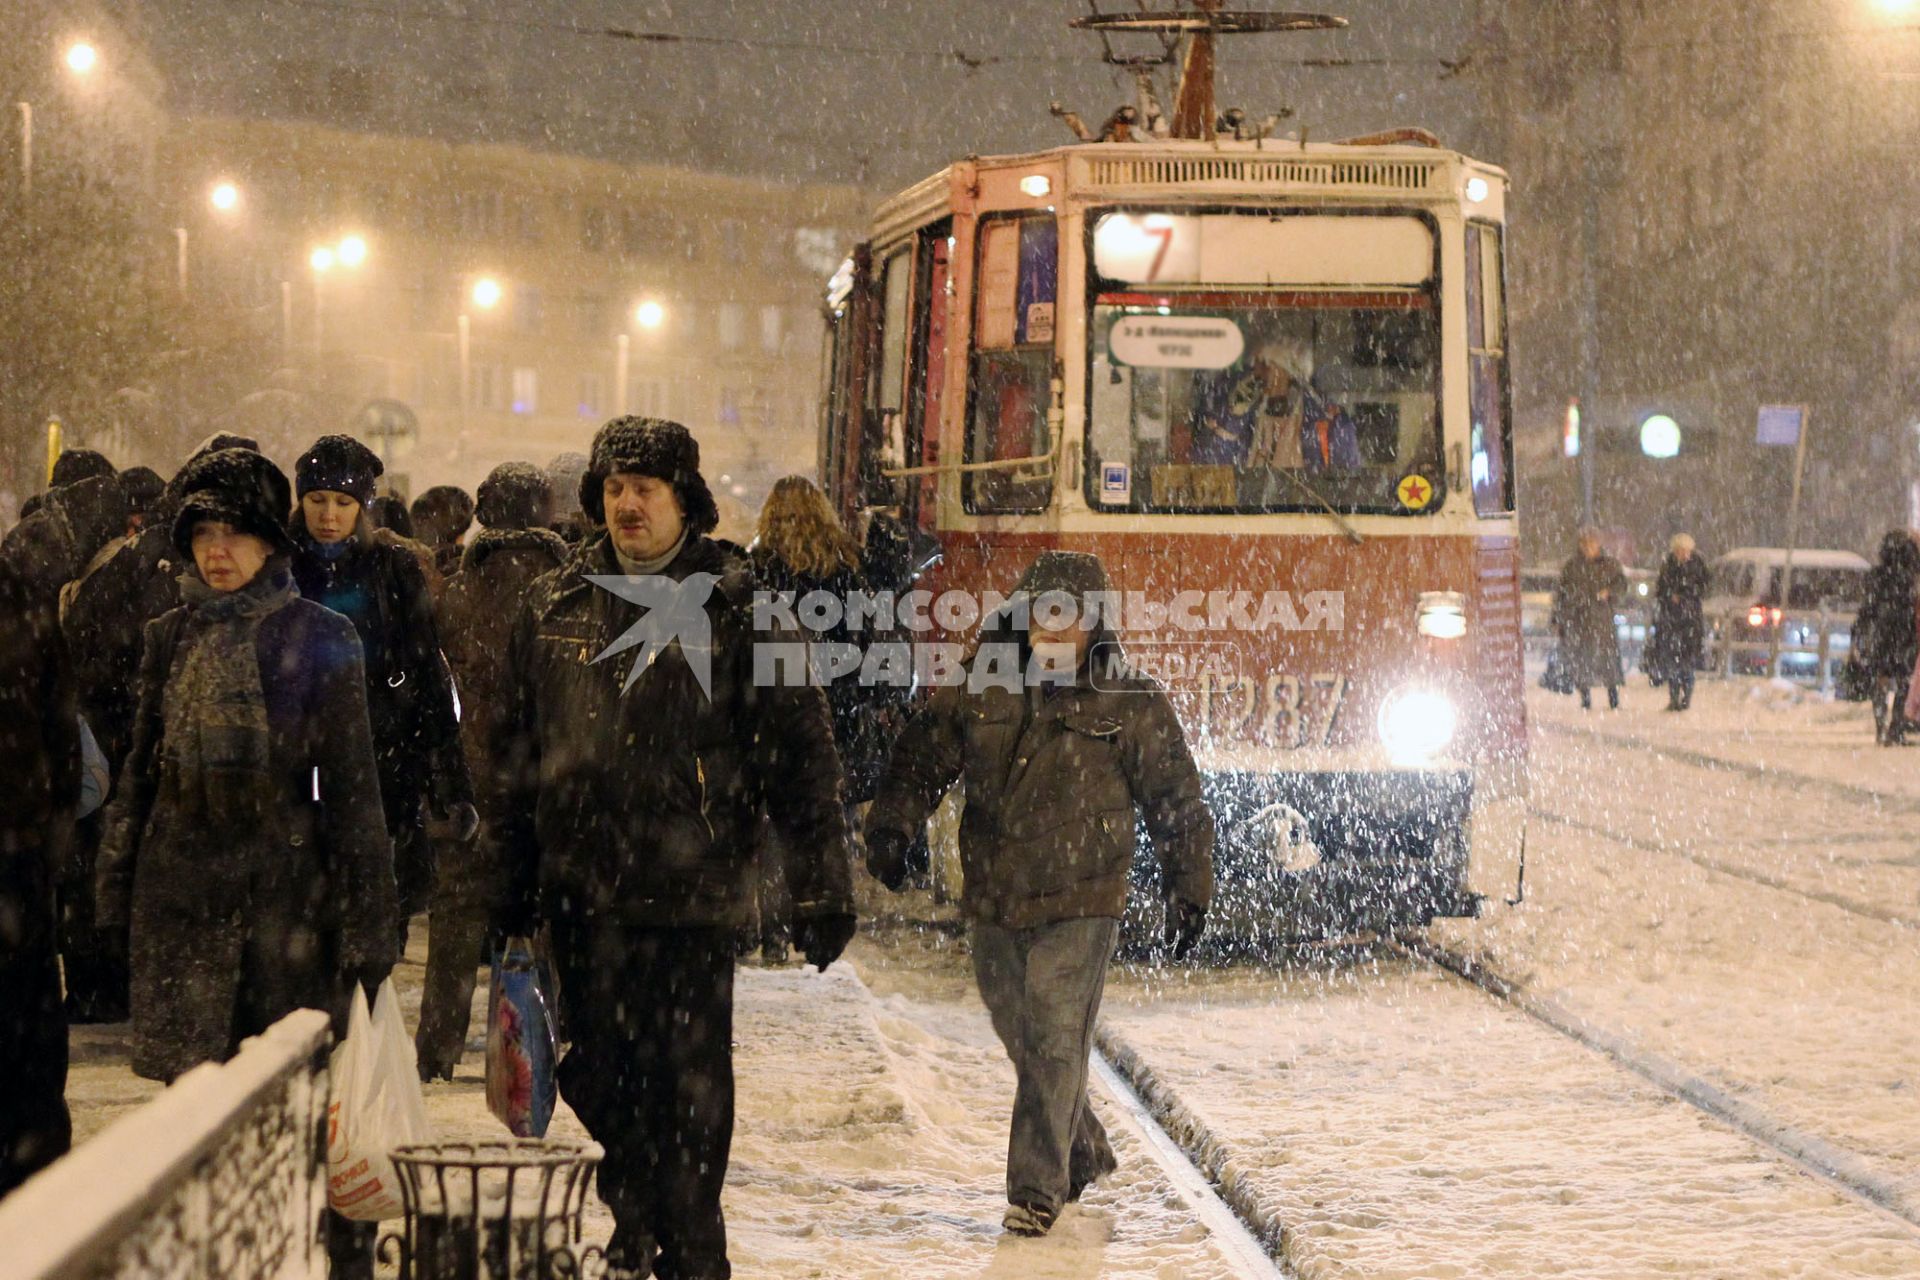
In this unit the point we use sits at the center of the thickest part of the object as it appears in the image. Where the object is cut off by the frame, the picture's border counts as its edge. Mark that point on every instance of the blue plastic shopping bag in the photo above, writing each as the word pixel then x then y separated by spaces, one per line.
pixel 520 1043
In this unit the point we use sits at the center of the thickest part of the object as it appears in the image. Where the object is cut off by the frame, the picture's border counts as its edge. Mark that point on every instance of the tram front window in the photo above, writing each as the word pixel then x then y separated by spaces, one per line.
pixel 1214 394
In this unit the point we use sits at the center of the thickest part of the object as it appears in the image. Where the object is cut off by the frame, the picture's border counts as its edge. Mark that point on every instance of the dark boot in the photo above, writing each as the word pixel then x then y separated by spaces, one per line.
pixel 1613 697
pixel 1586 699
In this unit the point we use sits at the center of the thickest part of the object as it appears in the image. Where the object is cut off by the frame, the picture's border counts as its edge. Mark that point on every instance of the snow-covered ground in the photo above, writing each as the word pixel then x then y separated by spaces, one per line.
pixel 1756 922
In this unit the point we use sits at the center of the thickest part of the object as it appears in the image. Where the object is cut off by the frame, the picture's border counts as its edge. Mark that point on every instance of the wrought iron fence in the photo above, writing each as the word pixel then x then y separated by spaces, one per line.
pixel 220 1177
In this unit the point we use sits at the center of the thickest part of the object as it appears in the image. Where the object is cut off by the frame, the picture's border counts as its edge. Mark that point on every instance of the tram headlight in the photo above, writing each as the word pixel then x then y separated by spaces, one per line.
pixel 1442 615
pixel 1417 724
pixel 1478 189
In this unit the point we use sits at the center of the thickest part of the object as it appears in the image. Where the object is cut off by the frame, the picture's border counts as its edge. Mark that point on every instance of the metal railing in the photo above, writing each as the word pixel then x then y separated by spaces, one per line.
pixel 221 1176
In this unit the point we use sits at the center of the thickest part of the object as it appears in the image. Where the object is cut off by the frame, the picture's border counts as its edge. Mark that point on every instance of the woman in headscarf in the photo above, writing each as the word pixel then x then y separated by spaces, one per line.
pixel 245 842
pixel 1679 629
pixel 375 578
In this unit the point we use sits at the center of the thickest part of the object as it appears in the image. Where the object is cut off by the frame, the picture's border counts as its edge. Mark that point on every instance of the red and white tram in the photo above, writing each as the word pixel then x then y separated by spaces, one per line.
pixel 1265 382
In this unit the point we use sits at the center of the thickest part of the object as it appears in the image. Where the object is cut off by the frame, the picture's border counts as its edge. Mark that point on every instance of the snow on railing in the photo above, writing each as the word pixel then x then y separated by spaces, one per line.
pixel 221 1176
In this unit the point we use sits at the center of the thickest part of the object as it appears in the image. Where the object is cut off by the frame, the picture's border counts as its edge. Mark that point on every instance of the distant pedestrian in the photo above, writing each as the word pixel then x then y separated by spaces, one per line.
pixel 379 582
pixel 1679 627
pixel 495 574
pixel 802 549
pixel 632 788
pixel 1592 587
pixel 570 521
pixel 441 518
pixel 1054 773
pixel 1885 640
pixel 143 487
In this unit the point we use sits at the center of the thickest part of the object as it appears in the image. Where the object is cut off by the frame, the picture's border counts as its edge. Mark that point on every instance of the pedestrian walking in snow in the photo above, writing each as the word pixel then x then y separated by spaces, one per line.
pixel 245 843
pixel 104 619
pixel 495 574
pixel 441 517
pixel 1679 627
pixel 1054 773
pixel 1885 640
pixel 379 581
pixel 801 549
pixel 631 789
pixel 39 790
pixel 1592 585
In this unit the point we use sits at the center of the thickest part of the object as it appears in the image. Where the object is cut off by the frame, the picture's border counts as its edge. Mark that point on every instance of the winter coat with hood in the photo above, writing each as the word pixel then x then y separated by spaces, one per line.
pixel 496 572
pixel 638 803
pixel 1590 591
pixel 379 582
pixel 1679 628
pixel 1885 641
pixel 1054 776
pixel 245 844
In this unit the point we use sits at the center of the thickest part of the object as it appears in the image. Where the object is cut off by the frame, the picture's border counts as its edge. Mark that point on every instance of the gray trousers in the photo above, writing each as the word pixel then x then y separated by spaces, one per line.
pixel 1042 989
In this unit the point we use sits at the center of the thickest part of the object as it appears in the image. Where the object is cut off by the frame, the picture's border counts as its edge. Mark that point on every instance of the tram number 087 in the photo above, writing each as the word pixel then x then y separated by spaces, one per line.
pixel 1279 711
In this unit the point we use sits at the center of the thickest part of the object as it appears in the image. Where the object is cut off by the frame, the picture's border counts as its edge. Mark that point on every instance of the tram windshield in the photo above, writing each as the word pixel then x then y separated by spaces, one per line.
pixel 1263 362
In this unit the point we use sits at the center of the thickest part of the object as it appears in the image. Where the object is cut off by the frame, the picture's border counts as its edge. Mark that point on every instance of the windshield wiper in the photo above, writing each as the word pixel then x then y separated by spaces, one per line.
pixel 1346 525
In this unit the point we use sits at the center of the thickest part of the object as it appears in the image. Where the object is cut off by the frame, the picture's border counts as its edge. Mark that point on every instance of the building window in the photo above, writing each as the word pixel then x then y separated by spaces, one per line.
pixel 650 399
pixel 526 389
pixel 733 239
pixel 773 330
pixel 595 229
pixel 593 317
pixel 733 326
pixel 481 214
pixel 486 386
pixel 527 306
pixel 526 221
pixel 635 232
pixel 729 414
pixel 593 395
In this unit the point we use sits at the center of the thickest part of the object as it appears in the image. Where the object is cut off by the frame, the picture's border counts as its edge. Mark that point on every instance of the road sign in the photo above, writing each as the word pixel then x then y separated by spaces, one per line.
pixel 1780 424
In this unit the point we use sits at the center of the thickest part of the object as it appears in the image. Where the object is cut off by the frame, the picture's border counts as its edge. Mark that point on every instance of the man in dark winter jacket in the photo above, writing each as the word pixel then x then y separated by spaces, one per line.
pixel 638 752
pixel 39 789
pixel 1055 769
pixel 441 517
pixel 1885 637
pixel 513 548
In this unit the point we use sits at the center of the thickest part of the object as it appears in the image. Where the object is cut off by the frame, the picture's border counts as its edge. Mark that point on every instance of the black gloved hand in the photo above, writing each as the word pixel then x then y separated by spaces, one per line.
pixel 887 858
pixel 1185 920
pixel 822 938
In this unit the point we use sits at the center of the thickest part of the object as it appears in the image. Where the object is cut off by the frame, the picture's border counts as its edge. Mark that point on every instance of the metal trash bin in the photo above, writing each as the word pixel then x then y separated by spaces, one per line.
pixel 506 1209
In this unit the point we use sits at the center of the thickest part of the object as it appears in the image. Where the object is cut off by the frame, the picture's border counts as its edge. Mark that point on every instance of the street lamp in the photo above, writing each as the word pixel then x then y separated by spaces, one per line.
pixel 485 295
pixel 224 196
pixel 352 251
pixel 321 259
pixel 81 57
pixel 650 314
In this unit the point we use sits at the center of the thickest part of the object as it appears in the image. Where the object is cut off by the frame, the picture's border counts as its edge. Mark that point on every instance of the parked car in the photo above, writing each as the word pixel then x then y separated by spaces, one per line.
pixel 1743 608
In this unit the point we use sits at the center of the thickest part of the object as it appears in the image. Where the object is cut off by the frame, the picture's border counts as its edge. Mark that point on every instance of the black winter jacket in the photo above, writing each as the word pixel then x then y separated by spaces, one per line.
pixel 378 583
pixel 1679 628
pixel 477 610
pixel 640 804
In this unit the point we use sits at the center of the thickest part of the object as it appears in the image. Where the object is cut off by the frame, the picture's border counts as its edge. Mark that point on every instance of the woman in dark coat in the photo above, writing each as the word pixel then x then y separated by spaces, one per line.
pixel 1885 641
pixel 245 842
pixel 1592 585
pixel 377 581
pixel 1679 627
pixel 801 547
pixel 477 611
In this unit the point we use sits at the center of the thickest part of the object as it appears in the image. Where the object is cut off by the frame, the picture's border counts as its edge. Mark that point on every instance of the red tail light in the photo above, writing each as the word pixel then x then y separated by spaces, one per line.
pixel 1762 616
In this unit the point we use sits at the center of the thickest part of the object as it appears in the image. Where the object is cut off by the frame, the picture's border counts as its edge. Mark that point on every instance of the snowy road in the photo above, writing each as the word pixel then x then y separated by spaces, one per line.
pixel 1751 928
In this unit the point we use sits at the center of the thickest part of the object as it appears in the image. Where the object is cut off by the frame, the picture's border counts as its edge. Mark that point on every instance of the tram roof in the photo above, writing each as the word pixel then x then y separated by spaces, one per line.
pixel 1221 167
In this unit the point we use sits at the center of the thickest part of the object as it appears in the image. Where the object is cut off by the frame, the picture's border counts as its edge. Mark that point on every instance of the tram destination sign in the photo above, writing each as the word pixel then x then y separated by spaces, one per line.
pixel 1176 342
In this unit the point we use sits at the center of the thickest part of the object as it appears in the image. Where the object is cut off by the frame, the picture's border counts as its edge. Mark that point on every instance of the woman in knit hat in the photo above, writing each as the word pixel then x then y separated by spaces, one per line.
pixel 376 580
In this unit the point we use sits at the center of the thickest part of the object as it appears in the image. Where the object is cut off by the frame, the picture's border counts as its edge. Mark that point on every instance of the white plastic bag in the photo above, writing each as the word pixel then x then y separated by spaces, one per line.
pixel 375 1106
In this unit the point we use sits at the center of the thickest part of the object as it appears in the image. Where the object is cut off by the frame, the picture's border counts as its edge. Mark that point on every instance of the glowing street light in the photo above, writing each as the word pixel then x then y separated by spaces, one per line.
pixel 322 259
pixel 487 293
pixel 351 252
pixel 650 314
pixel 225 197
pixel 81 57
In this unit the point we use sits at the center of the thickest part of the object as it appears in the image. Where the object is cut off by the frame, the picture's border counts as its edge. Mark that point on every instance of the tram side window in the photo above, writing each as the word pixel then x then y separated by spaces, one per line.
pixel 886 442
pixel 1009 382
pixel 1492 426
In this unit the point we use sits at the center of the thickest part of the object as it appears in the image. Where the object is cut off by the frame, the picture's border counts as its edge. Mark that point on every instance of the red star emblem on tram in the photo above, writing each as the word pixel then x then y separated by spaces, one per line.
pixel 1415 492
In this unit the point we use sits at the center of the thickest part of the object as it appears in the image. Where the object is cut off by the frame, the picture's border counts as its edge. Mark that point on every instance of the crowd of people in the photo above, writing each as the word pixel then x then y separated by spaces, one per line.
pixel 251 727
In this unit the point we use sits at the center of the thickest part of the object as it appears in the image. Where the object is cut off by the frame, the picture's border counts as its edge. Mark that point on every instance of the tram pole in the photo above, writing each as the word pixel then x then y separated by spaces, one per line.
pixel 1786 561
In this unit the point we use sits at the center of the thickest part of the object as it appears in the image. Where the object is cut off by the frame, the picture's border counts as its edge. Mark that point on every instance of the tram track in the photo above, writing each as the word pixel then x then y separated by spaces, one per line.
pixel 1846 1171
pixel 1720 866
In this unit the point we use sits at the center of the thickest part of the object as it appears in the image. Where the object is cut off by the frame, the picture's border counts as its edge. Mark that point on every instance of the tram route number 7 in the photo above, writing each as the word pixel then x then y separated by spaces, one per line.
pixel 1279 710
